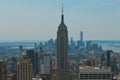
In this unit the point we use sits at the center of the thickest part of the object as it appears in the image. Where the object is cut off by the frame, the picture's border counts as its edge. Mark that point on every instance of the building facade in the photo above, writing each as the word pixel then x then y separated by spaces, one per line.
pixel 108 58
pixel 12 65
pixel 62 51
pixel 45 64
pixel 95 73
pixel 31 54
pixel 24 68
pixel 81 36
pixel 3 71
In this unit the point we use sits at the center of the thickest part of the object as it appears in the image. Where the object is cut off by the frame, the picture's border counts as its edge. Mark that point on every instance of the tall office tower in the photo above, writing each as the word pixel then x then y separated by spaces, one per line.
pixel 103 61
pixel 11 68
pixel 108 58
pixel 31 55
pixel 3 71
pixel 81 36
pixel 24 68
pixel 62 51
pixel 114 66
pixel 12 65
pixel 37 53
pixel 46 65
pixel 72 45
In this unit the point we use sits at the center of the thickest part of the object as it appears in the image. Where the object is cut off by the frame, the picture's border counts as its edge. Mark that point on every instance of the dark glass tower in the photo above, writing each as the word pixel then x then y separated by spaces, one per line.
pixel 62 51
pixel 108 58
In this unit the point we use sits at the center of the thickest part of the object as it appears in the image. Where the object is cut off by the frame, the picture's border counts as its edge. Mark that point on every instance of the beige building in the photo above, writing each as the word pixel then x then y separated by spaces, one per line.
pixel 3 70
pixel 119 76
pixel 24 68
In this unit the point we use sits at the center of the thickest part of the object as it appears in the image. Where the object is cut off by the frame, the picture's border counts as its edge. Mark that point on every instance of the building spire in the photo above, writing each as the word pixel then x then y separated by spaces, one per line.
pixel 62 16
pixel 62 9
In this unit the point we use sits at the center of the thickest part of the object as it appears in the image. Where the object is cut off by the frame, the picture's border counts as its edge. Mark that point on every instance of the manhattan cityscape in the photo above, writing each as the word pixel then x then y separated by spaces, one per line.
pixel 30 51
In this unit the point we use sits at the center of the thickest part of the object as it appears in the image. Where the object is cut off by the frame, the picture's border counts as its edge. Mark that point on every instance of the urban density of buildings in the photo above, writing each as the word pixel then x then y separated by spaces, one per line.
pixel 60 59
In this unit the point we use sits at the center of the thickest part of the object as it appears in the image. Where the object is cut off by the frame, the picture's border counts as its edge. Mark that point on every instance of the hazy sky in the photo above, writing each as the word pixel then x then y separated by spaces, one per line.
pixel 39 19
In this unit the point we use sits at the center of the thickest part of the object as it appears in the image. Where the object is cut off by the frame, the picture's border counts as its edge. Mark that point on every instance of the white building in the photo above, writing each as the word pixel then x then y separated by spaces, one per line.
pixel 95 73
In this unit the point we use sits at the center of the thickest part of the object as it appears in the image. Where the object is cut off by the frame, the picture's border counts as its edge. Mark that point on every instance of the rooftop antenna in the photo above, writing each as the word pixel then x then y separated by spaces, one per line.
pixel 62 17
pixel 62 8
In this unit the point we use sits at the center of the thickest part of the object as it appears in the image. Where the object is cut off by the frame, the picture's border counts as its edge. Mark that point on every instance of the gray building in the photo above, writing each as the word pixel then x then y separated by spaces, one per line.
pixel 62 51
pixel 95 73
pixel 45 64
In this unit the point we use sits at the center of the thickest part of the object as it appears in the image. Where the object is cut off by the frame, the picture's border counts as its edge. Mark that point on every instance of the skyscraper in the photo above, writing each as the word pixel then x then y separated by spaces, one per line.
pixel 46 65
pixel 103 61
pixel 3 70
pixel 31 55
pixel 81 37
pixel 12 64
pixel 62 51
pixel 24 68
pixel 108 58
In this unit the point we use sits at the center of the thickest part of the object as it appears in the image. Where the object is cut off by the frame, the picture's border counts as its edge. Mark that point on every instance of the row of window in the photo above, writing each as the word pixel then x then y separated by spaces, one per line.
pixel 95 76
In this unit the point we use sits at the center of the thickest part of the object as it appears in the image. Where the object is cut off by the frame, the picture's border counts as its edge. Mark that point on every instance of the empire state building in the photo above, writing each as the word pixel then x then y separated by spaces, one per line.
pixel 62 51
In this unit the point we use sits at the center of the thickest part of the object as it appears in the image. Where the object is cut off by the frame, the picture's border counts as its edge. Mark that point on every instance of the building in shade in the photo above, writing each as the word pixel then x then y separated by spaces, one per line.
pixel 12 65
pixel 3 71
pixel 108 58
pixel 31 54
pixel 103 61
pixel 95 73
pixel 24 68
pixel 62 51
pixel 11 68
pixel 37 53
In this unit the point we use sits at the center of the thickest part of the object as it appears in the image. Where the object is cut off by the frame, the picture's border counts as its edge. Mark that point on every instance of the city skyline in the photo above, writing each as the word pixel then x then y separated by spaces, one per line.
pixel 38 20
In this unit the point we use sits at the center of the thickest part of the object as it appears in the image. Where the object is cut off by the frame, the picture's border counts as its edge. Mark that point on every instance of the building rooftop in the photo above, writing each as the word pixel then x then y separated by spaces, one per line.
pixel 93 67
pixel 24 53
pixel 88 69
